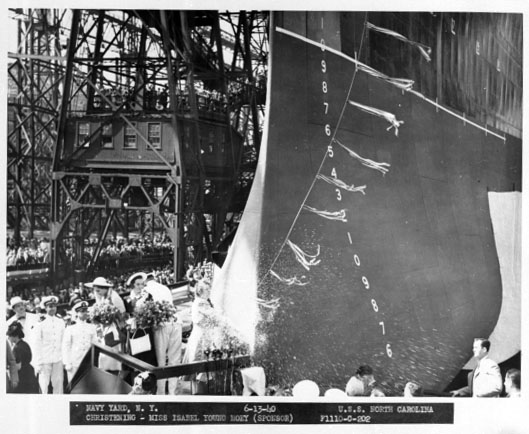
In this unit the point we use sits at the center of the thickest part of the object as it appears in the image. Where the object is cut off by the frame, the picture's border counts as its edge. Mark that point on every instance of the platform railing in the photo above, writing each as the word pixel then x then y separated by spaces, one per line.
pixel 218 372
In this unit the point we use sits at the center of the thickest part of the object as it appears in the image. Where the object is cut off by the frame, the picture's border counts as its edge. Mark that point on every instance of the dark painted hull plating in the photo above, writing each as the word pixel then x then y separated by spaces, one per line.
pixel 412 276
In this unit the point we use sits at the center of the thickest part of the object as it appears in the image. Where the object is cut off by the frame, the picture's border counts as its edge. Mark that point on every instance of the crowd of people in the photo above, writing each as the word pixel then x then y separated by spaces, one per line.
pixel 115 249
pixel 156 98
pixel 27 252
pixel 47 348
pixel 35 251
pixel 44 349
pixel 115 95
pixel 66 291
pixel 484 381
pixel 44 345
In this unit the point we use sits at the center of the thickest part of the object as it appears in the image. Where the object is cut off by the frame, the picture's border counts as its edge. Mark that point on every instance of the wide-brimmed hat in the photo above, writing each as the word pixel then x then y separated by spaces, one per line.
pixel 47 300
pixel 99 281
pixel 15 300
pixel 80 304
pixel 135 276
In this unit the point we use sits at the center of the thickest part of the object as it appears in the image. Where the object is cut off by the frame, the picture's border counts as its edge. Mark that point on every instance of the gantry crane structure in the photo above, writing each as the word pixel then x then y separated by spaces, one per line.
pixel 120 84
pixel 35 72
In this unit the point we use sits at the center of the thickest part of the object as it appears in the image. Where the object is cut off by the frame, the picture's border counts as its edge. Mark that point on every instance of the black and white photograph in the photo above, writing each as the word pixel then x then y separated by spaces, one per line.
pixel 264 216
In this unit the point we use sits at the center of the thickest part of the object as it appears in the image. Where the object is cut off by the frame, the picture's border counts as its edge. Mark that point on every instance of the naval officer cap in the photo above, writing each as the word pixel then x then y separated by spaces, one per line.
pixel 50 299
pixel 80 304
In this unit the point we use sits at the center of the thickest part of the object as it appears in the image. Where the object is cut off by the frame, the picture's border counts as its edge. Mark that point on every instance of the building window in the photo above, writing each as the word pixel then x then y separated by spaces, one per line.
pixel 130 139
pixel 83 134
pixel 106 136
pixel 154 134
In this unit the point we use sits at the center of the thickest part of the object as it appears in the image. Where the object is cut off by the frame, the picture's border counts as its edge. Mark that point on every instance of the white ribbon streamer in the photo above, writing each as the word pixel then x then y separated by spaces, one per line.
pixel 424 49
pixel 381 167
pixel 390 117
pixel 289 281
pixel 331 215
pixel 341 184
pixel 268 304
pixel 304 258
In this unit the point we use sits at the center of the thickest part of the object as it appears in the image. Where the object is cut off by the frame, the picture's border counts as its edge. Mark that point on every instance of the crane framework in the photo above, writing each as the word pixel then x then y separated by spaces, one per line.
pixel 65 62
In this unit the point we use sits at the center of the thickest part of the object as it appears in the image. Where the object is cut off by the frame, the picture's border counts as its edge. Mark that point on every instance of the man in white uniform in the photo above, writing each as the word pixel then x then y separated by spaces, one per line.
pixel 167 337
pixel 48 347
pixel 78 338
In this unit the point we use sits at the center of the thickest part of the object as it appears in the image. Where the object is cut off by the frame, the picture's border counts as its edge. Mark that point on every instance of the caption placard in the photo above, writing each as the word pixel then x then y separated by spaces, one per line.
pixel 195 413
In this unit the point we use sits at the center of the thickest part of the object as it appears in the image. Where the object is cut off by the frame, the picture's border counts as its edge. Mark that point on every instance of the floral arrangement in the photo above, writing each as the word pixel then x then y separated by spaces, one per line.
pixel 104 314
pixel 153 313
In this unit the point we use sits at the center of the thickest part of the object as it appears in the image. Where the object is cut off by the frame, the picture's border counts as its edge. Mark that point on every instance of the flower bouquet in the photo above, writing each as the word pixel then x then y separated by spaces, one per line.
pixel 104 314
pixel 154 313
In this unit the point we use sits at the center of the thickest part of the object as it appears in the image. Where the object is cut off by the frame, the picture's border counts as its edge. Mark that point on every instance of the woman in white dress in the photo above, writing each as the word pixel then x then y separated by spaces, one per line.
pixel 211 329
pixel 206 325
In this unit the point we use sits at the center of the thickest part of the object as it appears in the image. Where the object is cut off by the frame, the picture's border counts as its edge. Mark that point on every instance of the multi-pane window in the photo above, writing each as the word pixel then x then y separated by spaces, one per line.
pixel 106 136
pixel 83 134
pixel 130 138
pixel 154 134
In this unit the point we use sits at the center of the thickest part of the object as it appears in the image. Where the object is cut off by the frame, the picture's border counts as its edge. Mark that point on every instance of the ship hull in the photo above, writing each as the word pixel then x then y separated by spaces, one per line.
pixel 408 274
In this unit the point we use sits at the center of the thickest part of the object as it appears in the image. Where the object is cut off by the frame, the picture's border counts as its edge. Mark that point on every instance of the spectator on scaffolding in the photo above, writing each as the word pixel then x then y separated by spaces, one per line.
pixel 361 383
pixel 26 252
pixel 163 98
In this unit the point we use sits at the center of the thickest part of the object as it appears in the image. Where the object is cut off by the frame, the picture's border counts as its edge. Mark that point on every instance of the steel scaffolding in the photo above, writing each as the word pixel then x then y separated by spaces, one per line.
pixel 211 68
